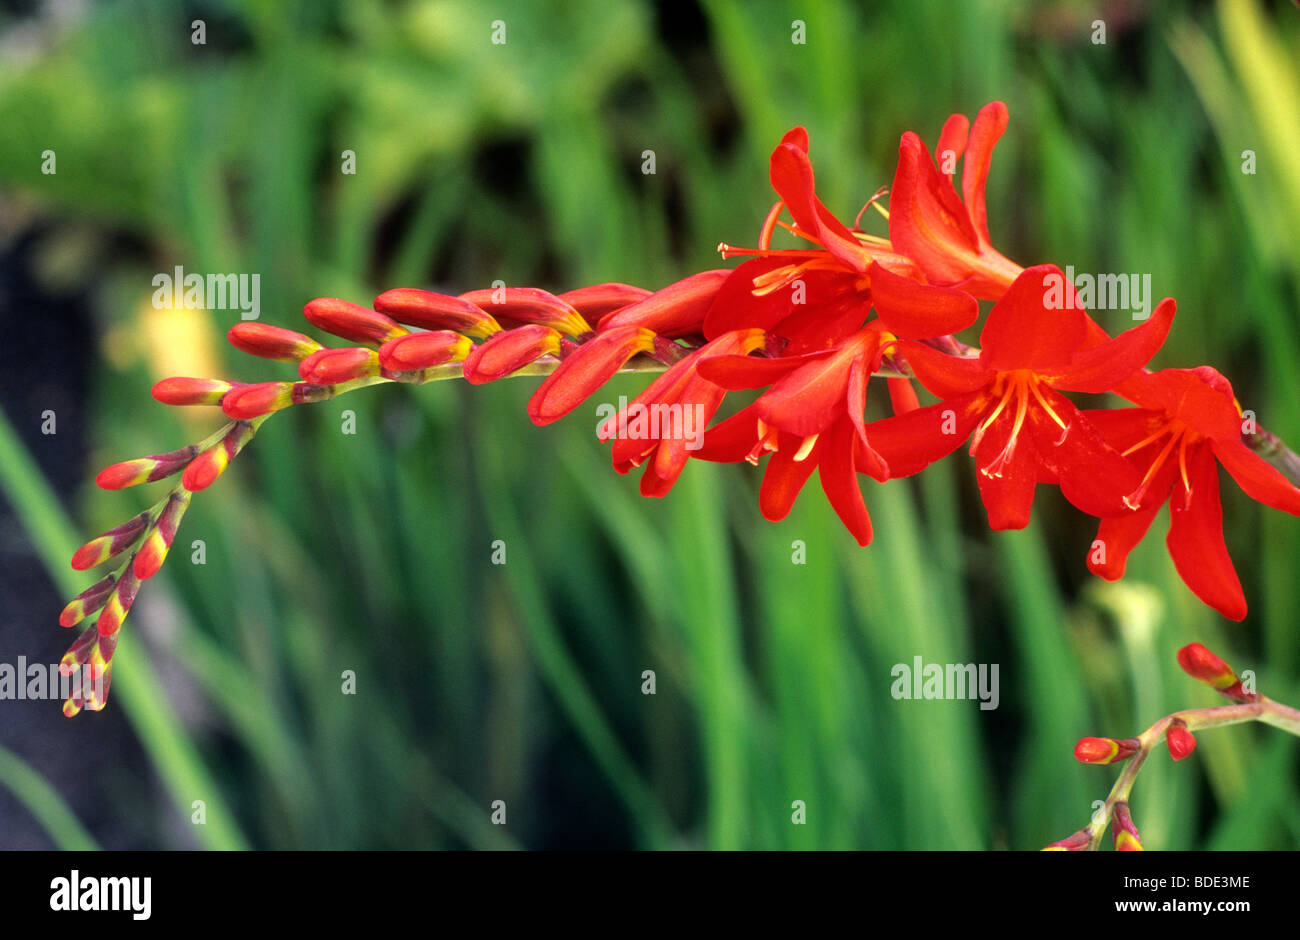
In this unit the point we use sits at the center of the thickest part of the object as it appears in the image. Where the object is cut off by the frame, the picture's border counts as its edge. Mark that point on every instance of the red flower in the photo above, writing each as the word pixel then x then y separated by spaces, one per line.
pixel 809 299
pixel 946 237
pixel 1008 402
pixel 1186 420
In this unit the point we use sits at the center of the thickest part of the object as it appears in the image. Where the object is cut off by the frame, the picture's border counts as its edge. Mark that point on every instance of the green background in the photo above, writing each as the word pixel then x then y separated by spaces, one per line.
pixel 522 682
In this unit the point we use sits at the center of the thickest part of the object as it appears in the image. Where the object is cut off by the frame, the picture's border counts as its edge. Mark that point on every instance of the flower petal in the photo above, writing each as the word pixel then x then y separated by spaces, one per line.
pixel 927 221
pixel 1092 475
pixel 1260 480
pixel 990 124
pixel 1196 538
pixel 839 481
pixel 785 477
pixel 1024 332
pixel 1103 367
pixel 912 310
pixel 1119 535
pixel 792 178
pixel 944 375
pixel 911 442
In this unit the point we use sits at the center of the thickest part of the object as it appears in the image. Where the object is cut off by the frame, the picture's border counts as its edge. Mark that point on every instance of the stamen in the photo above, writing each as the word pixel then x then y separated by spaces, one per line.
pixel 1134 500
pixel 805 448
pixel 1145 441
pixel 869 203
pixel 765 234
pixel 1022 408
pixel 984 426
pixel 1182 469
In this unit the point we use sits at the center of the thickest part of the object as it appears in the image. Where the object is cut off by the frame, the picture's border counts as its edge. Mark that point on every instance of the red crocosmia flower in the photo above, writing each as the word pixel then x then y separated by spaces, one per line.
pixel 808 299
pixel 811 418
pixel 1008 402
pixel 1186 420
pixel 663 427
pixel 947 235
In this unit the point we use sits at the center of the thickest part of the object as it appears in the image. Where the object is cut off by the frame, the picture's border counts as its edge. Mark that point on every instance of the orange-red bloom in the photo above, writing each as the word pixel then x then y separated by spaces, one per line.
pixel 1186 423
pixel 946 235
pixel 1008 402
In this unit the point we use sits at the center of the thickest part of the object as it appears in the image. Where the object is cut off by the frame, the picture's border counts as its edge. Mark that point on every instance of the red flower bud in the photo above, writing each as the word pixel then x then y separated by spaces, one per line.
pixel 677 310
pixel 529 305
pixel 1199 663
pixel 118 604
pixel 260 398
pixel 1181 741
pixel 423 350
pixel 271 342
pixel 87 602
pixel 509 351
pixel 1124 830
pixel 1075 842
pixel 351 321
pixel 156 544
pixel 180 390
pixel 329 366
pixel 599 299
pixel 113 542
pixel 210 464
pixel 145 469
pixel 586 369
pixel 1105 750
pixel 437 312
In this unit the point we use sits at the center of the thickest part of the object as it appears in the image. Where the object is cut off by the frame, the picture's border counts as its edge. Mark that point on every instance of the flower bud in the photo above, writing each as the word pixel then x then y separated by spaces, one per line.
pixel 1181 741
pixel 153 551
pixel 529 305
pixel 180 390
pixel 437 312
pixel 586 369
pixel 210 464
pixel 87 602
pixel 677 310
pixel 599 299
pixel 271 342
pixel 113 542
pixel 1105 750
pixel 509 351
pixel 329 366
pixel 351 321
pixel 423 351
pixel 1199 663
pixel 145 469
pixel 1124 830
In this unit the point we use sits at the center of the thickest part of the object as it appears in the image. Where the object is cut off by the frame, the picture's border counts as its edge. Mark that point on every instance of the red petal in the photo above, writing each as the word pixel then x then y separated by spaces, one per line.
pixel 927 221
pixel 902 397
pixel 731 440
pixel 1260 480
pixel 911 442
pixel 1196 538
pixel 599 299
pixel 785 477
pixel 952 139
pixel 1119 535
pixel 735 307
pixel 740 372
pixel 1023 332
pixel 1006 485
pixel 1100 368
pixel 792 178
pixel 919 311
pixel 990 123
pixel 944 375
pixel 1091 474
pixel 839 480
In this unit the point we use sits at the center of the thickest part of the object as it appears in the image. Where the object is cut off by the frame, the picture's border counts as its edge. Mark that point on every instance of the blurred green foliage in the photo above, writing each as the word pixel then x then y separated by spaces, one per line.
pixel 522 682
